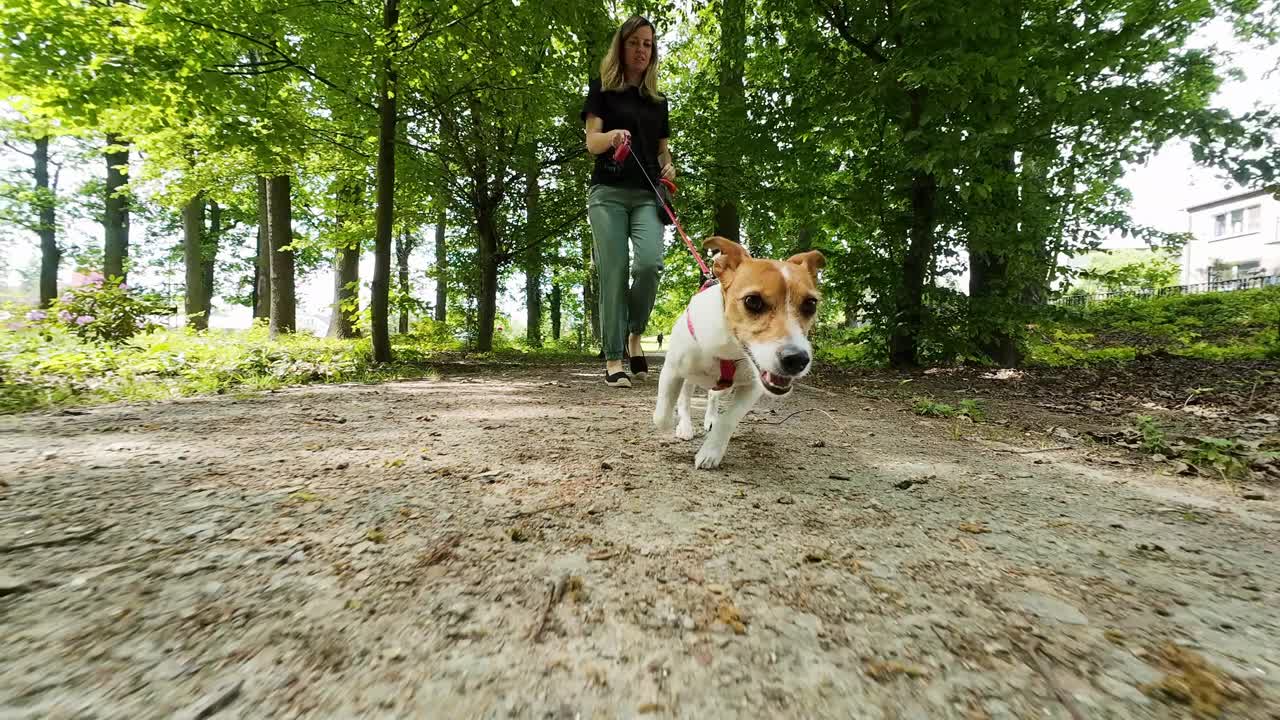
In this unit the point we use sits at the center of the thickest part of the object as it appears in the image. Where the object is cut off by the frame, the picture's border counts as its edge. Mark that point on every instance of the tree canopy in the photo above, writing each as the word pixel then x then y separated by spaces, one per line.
pixel 908 141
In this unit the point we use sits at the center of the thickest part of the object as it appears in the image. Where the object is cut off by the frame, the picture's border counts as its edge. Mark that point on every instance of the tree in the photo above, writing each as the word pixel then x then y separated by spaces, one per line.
pixel 262 259
pixel 280 233
pixel 193 232
pixel 731 122
pixel 46 222
pixel 442 265
pixel 346 276
pixel 533 254
pixel 384 213
pixel 115 220
pixel 405 245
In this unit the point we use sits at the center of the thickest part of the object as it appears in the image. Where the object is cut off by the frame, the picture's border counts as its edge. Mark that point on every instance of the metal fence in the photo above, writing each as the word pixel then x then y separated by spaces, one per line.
pixel 1249 283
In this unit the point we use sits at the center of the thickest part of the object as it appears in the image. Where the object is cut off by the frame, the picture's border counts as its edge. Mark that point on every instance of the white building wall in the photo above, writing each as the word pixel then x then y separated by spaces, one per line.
pixel 1237 245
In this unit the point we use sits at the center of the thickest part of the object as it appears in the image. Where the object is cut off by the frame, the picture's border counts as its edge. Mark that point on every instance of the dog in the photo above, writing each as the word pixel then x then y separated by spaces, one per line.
pixel 739 340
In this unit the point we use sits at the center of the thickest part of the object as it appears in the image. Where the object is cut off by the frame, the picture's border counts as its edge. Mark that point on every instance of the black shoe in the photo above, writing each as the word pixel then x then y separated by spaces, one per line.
pixel 639 367
pixel 618 379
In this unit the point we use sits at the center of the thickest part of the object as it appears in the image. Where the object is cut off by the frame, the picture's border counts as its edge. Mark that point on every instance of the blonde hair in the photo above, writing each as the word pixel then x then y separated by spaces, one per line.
pixel 612 74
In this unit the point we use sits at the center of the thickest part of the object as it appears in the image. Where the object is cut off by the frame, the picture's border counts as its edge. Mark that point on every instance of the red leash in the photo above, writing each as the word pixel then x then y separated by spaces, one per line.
pixel 619 156
pixel 728 368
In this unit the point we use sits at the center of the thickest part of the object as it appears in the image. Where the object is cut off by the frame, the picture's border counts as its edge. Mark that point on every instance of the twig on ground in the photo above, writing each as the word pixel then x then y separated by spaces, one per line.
pixel 1033 658
pixel 801 412
pixel 535 511
pixel 64 540
pixel 555 591
pixel 1033 452
pixel 817 389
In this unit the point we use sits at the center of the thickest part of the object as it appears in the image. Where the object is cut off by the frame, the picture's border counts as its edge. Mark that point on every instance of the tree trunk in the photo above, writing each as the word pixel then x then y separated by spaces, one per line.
pixel 193 231
pixel 346 289
pixel 115 218
pixel 555 311
pixel 590 287
pixel 804 238
pixel 533 265
pixel 47 224
pixel 404 247
pixel 346 265
pixel 280 230
pixel 909 310
pixel 908 320
pixel 262 263
pixel 989 295
pixel 442 266
pixel 209 257
pixel 731 123
pixel 1006 261
pixel 385 211
pixel 487 302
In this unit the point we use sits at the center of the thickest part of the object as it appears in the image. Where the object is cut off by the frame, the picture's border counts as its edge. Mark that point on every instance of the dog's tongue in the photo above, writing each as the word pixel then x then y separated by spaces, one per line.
pixel 776 380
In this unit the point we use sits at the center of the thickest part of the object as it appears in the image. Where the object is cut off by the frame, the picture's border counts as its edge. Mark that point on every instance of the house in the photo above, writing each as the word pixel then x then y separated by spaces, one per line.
pixel 1234 238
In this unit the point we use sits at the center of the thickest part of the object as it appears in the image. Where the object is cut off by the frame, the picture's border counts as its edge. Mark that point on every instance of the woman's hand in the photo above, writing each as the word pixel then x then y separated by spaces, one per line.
pixel 669 171
pixel 619 137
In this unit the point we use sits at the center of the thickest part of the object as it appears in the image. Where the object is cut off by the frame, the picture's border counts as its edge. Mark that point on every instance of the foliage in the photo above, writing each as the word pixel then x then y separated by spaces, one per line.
pixel 1242 325
pixel 1153 436
pixel 1227 458
pixel 43 366
pixel 894 137
pixel 967 408
pixel 1120 271
pixel 104 310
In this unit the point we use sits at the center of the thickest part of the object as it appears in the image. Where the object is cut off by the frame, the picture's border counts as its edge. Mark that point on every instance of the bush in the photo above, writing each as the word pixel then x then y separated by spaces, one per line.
pixel 102 310
pixel 1243 325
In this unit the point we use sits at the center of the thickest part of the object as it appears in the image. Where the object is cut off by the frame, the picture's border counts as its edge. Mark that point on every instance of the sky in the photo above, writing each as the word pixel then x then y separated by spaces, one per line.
pixel 1162 188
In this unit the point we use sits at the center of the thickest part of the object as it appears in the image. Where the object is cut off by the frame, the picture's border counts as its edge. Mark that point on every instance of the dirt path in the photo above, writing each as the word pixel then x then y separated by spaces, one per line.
pixel 520 544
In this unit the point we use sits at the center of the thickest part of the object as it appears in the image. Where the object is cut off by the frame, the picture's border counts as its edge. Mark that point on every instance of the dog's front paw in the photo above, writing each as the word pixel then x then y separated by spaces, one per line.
pixel 663 420
pixel 684 431
pixel 708 457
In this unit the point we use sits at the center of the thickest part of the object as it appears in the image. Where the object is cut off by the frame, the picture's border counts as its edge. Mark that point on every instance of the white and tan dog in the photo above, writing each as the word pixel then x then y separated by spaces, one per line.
pixel 738 340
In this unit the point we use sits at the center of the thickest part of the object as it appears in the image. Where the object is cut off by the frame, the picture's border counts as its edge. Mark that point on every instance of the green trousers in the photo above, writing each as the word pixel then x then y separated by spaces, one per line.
pixel 623 221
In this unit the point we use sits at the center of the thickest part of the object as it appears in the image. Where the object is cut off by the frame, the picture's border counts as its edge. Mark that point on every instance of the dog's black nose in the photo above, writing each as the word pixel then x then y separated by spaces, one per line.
pixel 793 359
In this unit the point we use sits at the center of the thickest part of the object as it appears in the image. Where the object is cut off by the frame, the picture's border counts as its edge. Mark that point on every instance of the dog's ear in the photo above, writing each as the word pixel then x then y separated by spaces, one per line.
pixel 813 261
pixel 731 256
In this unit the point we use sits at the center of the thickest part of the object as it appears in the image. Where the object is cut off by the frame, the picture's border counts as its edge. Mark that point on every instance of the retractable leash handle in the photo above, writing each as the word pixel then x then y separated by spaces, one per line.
pixel 621 152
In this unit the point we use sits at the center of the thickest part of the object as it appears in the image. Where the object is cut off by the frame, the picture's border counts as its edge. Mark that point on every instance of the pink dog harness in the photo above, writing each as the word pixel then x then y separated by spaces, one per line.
pixel 728 368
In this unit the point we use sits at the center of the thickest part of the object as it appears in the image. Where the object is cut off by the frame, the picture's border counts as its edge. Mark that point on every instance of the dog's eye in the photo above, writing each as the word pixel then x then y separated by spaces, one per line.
pixel 809 307
pixel 754 304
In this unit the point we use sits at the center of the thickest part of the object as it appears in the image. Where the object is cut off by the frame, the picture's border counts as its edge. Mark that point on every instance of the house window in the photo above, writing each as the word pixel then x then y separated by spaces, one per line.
pixel 1248 269
pixel 1253 218
pixel 1220 225
pixel 1237 221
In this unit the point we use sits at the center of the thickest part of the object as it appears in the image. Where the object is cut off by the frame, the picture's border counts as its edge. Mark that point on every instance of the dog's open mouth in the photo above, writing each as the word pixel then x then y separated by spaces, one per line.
pixel 776 384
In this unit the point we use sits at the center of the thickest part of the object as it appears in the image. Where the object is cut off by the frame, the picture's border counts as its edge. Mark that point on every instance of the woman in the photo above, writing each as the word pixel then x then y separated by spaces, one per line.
pixel 624 105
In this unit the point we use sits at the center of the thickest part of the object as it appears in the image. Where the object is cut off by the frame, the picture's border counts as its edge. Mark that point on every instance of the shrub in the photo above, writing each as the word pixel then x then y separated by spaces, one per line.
pixel 102 310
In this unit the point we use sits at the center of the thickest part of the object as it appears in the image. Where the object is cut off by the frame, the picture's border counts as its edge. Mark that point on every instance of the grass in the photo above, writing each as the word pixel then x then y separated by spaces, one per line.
pixel 56 369
pixel 1221 327
pixel 927 407
pixel 1227 326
